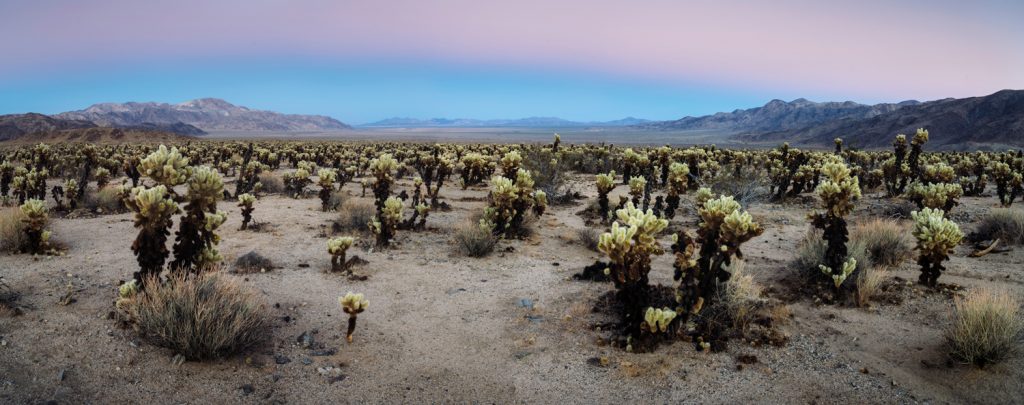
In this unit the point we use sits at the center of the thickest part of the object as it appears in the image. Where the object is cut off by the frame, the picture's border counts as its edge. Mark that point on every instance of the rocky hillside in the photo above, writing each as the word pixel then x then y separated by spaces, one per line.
pixel 778 115
pixel 996 119
pixel 17 125
pixel 208 114
pixel 102 135
pixel 530 122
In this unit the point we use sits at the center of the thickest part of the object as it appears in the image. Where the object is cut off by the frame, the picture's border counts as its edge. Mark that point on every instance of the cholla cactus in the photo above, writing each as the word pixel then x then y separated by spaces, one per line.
pixel 36 217
pixel 166 167
pixel 701 196
pixel 195 241
pixel 102 177
pixel 637 185
pixel 245 202
pixel 629 248
pixel 510 164
pixel 326 179
pixel 724 228
pixel 837 191
pixel 510 202
pixel 474 168
pixel 337 247
pixel 297 181
pixel 657 320
pixel 540 202
pixel 6 176
pixel 840 276
pixel 936 238
pixel 605 184
pixel 386 222
pixel 153 209
pixel 942 196
pixel 382 169
pixel 677 179
pixel 353 305
pixel 1008 184
pixel 71 193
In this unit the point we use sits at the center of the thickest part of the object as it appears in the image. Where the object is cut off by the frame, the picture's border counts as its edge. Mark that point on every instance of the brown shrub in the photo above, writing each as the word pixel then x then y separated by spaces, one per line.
pixel 474 241
pixel 200 317
pixel 886 241
pixel 12 229
pixel 105 200
pixel 355 215
pixel 1005 224
pixel 869 282
pixel 272 183
pixel 588 237
pixel 986 327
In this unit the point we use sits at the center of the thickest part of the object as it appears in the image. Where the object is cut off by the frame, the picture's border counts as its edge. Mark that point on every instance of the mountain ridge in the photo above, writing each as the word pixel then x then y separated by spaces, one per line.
pixel 527 122
pixel 208 114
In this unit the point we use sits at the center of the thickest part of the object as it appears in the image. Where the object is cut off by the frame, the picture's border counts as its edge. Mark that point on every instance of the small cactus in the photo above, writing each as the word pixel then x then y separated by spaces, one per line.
pixel 337 247
pixel 36 217
pixel 353 305
pixel 936 238
pixel 245 202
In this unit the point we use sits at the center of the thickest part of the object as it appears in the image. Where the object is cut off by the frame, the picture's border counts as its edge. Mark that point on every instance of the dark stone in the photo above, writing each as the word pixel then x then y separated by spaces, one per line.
pixel 282 359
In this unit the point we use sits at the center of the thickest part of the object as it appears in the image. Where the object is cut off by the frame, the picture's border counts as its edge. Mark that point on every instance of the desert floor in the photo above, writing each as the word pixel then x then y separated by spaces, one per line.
pixel 442 327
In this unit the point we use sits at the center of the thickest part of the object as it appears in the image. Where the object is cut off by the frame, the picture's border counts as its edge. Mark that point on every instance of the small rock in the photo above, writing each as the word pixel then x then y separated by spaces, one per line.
pixel 303 265
pixel 282 359
pixel 525 303
pixel 247 389
pixel 307 361
pixel 337 378
pixel 535 318
pixel 323 352
pixel 306 340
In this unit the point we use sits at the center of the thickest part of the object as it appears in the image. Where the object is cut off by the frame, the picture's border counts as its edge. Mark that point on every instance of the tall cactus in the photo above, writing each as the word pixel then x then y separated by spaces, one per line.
pixel 153 209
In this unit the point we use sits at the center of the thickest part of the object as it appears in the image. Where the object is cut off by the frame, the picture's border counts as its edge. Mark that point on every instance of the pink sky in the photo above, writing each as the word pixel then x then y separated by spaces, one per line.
pixel 864 49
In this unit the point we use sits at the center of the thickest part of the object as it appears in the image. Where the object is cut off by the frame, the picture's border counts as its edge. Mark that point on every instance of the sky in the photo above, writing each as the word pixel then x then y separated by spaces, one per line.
pixel 362 60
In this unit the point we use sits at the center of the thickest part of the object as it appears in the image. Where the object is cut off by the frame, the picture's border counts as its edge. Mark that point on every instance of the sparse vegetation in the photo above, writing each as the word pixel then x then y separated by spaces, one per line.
pixel 986 327
pixel 1004 224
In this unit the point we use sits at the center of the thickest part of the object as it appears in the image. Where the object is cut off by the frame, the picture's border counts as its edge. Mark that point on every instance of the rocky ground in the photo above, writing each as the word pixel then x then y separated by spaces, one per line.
pixel 511 327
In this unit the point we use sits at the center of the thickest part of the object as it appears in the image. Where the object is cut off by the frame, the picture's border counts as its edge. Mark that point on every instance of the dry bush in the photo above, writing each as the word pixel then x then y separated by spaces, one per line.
pixel 474 241
pixel 272 183
pixel 200 317
pixel 869 283
pixel 811 253
pixel 747 188
pixel 588 237
pixel 252 262
pixel 986 327
pixel 740 296
pixel 886 241
pixel 1005 224
pixel 354 215
pixel 338 198
pixel 12 229
pixel 106 200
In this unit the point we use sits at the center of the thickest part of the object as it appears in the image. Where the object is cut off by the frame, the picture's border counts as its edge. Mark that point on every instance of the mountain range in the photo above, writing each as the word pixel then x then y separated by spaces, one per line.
pixel 207 114
pixel 529 122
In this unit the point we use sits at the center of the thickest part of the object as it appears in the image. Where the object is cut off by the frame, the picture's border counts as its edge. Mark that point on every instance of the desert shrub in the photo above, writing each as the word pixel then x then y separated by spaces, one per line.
pixel 747 187
pixel 252 262
pixel 588 237
pixel 106 200
pixel 740 296
pixel 936 238
pixel 811 252
pixel 869 282
pixel 337 198
pixel 199 316
pixel 474 240
pixel 355 215
pixel 271 183
pixel 887 243
pixel 1005 224
pixel 12 230
pixel 986 327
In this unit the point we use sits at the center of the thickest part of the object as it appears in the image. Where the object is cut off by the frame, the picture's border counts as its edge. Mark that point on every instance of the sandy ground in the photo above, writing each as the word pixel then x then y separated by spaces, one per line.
pixel 442 327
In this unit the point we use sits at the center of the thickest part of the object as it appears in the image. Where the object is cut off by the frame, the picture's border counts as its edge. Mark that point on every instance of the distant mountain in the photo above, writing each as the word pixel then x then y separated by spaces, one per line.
pixel 778 115
pixel 208 114
pixel 952 124
pixel 530 122
pixel 17 125
pixel 102 135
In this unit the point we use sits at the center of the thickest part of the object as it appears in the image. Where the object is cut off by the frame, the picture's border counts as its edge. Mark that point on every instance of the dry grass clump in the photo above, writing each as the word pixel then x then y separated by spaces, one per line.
pixel 200 317
pixel 474 240
pixel 986 327
pixel 1005 224
pixel 272 183
pixel 869 283
pixel 886 241
pixel 588 237
pixel 354 215
pixel 740 296
pixel 811 253
pixel 105 200
pixel 12 229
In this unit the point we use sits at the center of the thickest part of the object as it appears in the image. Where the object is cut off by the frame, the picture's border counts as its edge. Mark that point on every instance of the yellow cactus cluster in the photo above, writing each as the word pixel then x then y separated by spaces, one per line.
pixel 510 201
pixel 166 167
pixel 383 166
pixel 510 163
pixel 629 247
pixel 934 233
pixel 678 178
pixel 942 196
pixel 839 277
pixel 205 186
pixel 657 320
pixel 702 196
pixel 353 303
pixel 327 177
pixel 338 246
pixel 838 189
pixel 153 206
pixel 246 200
